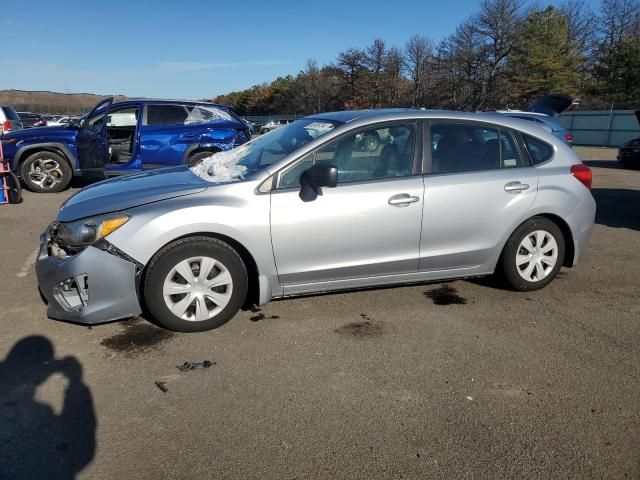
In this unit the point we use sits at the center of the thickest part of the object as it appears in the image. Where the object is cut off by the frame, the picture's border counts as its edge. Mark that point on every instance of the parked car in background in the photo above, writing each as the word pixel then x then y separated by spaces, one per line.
pixel 9 120
pixel 305 210
pixel 58 120
pixel 556 128
pixel 544 111
pixel 250 125
pixel 122 137
pixel 30 120
pixel 629 152
pixel 270 126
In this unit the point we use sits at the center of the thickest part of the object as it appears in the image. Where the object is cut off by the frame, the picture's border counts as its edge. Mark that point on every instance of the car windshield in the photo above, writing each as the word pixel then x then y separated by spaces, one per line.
pixel 262 151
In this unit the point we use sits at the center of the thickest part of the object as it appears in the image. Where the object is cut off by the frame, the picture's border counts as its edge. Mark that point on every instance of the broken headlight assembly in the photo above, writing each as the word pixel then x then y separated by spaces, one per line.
pixel 73 237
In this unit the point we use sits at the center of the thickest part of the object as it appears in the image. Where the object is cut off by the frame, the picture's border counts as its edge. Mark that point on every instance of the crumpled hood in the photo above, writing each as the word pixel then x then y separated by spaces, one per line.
pixel 130 191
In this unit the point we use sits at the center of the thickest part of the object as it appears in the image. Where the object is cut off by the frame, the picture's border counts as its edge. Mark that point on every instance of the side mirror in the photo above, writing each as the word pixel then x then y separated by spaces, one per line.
pixel 319 175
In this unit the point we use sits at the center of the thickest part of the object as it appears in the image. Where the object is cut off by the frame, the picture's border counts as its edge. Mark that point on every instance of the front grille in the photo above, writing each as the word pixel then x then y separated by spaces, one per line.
pixel 73 293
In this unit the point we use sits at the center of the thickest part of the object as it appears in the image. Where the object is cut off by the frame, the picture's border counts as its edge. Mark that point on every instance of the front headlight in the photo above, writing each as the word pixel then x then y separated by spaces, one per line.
pixel 77 235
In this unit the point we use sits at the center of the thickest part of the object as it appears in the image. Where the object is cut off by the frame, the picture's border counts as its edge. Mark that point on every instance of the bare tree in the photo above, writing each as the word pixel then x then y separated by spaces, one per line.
pixel 393 76
pixel 581 23
pixel 352 64
pixel 498 24
pixel 619 19
pixel 374 59
pixel 310 86
pixel 418 53
pixel 463 59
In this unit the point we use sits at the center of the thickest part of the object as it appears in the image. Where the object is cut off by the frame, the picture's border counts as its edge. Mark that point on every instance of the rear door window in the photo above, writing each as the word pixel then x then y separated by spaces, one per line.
pixel 166 115
pixel 467 147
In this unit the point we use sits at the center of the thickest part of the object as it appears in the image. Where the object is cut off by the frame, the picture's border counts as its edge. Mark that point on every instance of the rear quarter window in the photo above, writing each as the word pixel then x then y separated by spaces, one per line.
pixel 538 150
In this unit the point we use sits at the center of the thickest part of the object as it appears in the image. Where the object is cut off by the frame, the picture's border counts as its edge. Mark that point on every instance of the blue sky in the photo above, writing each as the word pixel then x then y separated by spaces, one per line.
pixel 197 49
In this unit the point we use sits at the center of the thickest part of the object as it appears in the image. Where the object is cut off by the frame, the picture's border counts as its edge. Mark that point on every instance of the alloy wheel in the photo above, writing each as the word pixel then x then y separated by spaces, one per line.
pixel 46 173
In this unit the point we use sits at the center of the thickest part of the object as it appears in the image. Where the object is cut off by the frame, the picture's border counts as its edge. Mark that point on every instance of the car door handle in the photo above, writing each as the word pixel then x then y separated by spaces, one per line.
pixel 515 187
pixel 402 200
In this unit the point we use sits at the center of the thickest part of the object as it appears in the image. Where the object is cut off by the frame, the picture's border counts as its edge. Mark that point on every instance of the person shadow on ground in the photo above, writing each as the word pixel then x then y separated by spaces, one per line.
pixel 35 441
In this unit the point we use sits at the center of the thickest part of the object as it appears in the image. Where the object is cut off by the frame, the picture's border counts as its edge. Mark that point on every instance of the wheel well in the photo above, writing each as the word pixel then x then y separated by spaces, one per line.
pixel 202 149
pixel 570 248
pixel 36 149
pixel 253 290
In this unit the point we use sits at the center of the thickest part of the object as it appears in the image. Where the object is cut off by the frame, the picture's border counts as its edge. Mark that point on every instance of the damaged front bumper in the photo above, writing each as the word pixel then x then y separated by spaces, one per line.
pixel 93 286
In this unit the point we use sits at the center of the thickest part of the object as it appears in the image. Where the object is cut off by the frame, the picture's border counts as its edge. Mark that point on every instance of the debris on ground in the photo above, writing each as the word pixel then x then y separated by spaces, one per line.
pixel 162 386
pixel 186 366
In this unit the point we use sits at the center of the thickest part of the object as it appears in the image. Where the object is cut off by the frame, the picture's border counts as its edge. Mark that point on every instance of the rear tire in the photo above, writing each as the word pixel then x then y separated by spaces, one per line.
pixel 46 172
pixel 15 189
pixel 177 287
pixel 533 255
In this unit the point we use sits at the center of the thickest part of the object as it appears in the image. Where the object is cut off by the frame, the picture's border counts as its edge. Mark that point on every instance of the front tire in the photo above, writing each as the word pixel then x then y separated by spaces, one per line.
pixel 195 284
pixel 533 255
pixel 46 172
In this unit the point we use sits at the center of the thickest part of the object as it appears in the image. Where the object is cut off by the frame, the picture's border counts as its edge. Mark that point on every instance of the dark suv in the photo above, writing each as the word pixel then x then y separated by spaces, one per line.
pixel 122 137
pixel 30 120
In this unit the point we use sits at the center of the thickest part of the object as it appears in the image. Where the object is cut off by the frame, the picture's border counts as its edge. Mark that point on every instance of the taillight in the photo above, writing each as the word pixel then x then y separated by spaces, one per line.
pixel 568 137
pixel 6 126
pixel 583 174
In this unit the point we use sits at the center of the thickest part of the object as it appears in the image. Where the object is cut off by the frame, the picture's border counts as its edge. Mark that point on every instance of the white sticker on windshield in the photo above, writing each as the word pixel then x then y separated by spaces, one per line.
pixel 321 126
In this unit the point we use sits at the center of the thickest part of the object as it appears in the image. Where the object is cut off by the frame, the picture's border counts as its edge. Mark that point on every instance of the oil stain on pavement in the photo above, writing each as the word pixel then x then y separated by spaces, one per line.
pixel 261 316
pixel 138 336
pixel 445 295
pixel 366 328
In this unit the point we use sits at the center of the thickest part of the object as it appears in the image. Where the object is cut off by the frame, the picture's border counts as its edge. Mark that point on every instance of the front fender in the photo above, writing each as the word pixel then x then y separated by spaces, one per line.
pixel 24 150
pixel 241 217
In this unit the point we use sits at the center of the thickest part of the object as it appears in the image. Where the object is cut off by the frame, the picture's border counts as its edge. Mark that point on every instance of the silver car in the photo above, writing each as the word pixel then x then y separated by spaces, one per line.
pixel 306 209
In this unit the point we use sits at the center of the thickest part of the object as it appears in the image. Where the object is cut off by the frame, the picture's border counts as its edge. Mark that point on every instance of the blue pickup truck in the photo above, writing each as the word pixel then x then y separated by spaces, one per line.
pixel 122 137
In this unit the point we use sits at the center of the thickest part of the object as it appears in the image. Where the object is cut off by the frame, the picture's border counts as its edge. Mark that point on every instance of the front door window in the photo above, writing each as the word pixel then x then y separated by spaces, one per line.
pixel 372 154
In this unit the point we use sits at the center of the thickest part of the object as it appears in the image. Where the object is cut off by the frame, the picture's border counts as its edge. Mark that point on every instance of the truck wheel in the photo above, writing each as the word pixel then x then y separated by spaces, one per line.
pixel 195 284
pixel 46 172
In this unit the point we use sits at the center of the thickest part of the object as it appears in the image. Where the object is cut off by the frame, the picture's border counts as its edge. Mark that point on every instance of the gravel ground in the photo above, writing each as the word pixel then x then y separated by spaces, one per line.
pixel 455 380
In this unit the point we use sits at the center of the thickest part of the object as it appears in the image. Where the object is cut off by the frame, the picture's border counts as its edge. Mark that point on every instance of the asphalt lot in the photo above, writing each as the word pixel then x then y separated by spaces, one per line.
pixel 457 380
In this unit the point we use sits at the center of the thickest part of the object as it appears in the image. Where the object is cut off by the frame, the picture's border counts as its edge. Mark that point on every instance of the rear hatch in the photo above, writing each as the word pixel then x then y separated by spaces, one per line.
pixel 552 104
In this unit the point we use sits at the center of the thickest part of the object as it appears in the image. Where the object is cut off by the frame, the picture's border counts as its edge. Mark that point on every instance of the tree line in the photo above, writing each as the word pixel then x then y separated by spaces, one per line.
pixel 502 56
